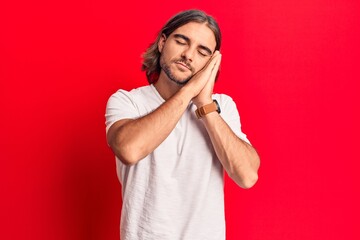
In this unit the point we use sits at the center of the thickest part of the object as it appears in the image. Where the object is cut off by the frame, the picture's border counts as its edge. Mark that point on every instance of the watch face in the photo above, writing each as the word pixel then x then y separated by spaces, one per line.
pixel 217 106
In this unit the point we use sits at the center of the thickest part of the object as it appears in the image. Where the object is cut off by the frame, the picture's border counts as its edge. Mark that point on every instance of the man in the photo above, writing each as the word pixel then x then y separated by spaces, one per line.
pixel 173 138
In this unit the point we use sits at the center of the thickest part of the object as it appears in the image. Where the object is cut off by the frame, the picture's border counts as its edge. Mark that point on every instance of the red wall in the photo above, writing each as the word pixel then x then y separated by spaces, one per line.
pixel 291 66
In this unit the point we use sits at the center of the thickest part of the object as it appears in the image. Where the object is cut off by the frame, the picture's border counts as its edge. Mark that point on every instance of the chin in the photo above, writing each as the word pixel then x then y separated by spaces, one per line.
pixel 180 78
pixel 180 81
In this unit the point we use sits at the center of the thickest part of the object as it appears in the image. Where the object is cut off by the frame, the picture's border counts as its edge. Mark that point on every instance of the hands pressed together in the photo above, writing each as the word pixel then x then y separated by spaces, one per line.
pixel 202 83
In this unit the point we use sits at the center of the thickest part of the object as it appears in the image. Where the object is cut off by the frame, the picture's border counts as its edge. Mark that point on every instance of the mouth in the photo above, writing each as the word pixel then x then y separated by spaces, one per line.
pixel 184 65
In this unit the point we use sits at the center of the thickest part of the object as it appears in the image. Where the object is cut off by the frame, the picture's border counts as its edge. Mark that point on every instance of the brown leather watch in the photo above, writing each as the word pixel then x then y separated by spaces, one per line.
pixel 208 108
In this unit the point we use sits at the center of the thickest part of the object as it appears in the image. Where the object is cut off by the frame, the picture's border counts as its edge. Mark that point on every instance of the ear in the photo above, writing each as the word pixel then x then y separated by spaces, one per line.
pixel 161 42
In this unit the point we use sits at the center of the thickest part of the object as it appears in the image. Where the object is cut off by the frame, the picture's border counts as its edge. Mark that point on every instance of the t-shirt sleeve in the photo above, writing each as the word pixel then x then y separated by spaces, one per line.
pixel 231 116
pixel 120 105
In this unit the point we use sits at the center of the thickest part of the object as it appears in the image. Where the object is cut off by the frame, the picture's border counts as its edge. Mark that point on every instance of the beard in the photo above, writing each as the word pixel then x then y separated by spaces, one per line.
pixel 166 68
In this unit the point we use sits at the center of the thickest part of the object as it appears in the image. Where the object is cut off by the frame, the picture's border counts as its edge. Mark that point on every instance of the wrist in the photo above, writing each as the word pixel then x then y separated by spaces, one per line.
pixel 202 103
pixel 207 108
pixel 186 93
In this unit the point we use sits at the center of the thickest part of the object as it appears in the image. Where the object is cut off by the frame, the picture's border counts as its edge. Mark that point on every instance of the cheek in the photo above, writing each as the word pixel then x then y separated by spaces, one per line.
pixel 162 59
pixel 201 64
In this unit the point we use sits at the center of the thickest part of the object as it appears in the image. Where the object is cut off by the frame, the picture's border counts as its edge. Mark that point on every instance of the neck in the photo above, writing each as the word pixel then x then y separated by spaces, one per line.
pixel 165 87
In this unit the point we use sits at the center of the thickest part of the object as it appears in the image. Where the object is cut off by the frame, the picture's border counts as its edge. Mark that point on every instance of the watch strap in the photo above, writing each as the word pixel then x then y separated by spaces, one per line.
pixel 208 108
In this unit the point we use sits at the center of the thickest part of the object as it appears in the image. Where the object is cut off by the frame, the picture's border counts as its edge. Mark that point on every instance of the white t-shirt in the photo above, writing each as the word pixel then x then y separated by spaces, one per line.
pixel 177 191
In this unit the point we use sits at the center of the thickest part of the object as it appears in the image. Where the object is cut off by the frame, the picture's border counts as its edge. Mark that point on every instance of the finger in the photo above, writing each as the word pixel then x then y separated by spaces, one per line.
pixel 208 68
pixel 212 63
pixel 213 73
pixel 212 58
pixel 216 66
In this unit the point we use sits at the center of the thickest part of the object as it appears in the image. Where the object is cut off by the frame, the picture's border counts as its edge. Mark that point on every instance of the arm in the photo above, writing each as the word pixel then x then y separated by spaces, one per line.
pixel 133 139
pixel 239 159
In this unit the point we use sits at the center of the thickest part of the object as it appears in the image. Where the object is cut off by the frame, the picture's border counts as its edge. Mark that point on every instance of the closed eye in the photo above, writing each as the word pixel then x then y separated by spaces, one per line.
pixel 202 53
pixel 180 42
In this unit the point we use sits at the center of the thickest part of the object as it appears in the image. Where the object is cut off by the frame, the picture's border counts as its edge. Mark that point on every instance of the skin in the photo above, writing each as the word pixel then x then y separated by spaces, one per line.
pixel 189 65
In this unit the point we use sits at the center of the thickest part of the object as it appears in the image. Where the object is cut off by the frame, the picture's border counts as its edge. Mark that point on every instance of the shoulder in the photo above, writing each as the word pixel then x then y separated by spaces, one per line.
pixel 131 95
pixel 227 106
pixel 134 92
pixel 224 100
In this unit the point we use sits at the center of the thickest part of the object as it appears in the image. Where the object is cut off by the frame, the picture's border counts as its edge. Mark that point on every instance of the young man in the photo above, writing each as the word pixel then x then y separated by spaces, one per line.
pixel 173 138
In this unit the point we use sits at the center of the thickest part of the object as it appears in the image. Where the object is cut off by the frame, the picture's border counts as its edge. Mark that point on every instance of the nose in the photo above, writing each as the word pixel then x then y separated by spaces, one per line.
pixel 188 54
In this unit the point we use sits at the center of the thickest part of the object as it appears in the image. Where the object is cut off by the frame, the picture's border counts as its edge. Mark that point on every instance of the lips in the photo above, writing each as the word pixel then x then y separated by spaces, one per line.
pixel 183 64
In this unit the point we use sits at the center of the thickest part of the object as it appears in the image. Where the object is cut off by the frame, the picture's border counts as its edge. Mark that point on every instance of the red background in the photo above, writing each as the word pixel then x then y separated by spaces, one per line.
pixel 291 66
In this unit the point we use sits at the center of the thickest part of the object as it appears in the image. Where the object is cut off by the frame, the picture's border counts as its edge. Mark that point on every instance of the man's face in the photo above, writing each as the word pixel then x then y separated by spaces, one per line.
pixel 186 51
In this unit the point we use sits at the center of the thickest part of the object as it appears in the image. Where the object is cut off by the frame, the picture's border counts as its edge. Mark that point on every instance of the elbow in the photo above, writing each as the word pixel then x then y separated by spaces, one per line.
pixel 249 181
pixel 251 178
pixel 127 158
pixel 125 153
pixel 246 181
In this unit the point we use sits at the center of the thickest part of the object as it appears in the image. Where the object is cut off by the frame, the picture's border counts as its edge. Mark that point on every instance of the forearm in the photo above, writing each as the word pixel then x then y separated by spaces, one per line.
pixel 238 158
pixel 137 138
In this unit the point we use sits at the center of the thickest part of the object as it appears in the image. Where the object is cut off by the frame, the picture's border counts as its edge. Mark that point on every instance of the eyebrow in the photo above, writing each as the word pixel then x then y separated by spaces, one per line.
pixel 177 35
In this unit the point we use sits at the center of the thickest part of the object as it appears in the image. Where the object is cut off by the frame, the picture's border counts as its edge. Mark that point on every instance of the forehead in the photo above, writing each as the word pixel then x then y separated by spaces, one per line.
pixel 198 33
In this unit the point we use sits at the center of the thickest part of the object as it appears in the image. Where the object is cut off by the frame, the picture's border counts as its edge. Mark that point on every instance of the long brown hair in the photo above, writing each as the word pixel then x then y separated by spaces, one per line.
pixel 151 58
